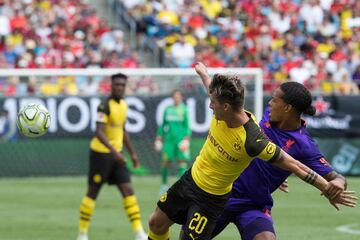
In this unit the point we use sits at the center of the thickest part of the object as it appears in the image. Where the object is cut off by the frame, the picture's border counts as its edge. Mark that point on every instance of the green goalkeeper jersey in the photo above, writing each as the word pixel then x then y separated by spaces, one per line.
pixel 175 125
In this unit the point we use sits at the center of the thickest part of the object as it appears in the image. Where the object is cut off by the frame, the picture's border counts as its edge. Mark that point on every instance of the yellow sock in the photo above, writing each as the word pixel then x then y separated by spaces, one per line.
pixel 86 210
pixel 133 211
pixel 153 236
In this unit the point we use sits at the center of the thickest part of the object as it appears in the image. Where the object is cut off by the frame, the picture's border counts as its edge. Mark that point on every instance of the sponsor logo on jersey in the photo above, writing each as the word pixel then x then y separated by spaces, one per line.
pixel 220 149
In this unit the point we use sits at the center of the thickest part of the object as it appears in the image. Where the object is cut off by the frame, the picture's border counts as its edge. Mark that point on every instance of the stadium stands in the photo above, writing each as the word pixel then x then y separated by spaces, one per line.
pixel 57 34
pixel 315 42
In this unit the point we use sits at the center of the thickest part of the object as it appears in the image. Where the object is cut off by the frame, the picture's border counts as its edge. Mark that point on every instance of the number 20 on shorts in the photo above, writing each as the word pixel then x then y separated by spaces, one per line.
pixel 198 223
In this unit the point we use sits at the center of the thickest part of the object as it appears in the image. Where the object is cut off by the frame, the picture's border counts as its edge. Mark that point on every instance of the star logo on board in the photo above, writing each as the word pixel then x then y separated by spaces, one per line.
pixel 321 106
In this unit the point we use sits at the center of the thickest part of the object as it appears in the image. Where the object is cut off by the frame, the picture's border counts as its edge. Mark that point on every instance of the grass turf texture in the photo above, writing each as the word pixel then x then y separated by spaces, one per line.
pixel 47 208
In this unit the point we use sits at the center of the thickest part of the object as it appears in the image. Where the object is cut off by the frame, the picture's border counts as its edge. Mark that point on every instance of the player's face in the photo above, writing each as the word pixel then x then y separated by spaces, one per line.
pixel 177 98
pixel 118 87
pixel 217 107
pixel 277 106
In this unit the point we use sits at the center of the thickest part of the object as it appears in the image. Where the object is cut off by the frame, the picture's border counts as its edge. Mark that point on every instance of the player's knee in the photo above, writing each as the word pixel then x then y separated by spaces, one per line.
pixel 93 191
pixel 158 224
pixel 155 226
pixel 126 189
pixel 265 236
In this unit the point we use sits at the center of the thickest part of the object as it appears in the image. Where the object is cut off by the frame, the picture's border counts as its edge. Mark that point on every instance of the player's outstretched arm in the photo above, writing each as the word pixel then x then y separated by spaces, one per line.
pixel 286 162
pixel 200 69
pixel 336 179
pixel 338 183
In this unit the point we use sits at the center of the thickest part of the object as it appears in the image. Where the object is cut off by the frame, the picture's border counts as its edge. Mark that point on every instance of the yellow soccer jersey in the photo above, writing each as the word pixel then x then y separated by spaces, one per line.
pixel 113 115
pixel 227 152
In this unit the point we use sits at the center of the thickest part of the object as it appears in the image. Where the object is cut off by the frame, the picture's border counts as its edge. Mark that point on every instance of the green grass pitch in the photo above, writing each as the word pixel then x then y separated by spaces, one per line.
pixel 47 209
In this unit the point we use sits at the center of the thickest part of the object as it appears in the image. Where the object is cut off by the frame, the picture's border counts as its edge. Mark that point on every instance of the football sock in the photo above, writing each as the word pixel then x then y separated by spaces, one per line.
pixel 182 169
pixel 86 211
pixel 153 236
pixel 164 175
pixel 133 211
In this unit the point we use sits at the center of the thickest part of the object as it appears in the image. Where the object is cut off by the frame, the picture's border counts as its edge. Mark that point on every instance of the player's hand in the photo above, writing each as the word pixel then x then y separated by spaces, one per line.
pixel 135 160
pixel 184 144
pixel 346 198
pixel 200 69
pixel 158 145
pixel 334 189
pixel 118 157
pixel 284 186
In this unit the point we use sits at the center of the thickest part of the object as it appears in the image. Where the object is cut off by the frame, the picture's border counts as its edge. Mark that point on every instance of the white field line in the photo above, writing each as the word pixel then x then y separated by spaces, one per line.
pixel 349 229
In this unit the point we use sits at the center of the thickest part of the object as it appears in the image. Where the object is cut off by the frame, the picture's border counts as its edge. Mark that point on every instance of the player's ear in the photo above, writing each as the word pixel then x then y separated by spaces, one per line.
pixel 226 106
pixel 288 107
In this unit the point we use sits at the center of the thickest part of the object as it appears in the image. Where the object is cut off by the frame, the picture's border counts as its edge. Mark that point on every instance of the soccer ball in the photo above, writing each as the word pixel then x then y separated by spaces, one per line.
pixel 33 120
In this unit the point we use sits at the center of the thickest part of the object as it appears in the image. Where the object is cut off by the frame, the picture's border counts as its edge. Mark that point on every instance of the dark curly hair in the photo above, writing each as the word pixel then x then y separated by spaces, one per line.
pixel 298 96
pixel 118 75
pixel 228 89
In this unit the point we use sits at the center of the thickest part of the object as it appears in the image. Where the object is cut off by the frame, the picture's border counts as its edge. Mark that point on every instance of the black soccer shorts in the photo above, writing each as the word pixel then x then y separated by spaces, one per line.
pixel 186 204
pixel 104 168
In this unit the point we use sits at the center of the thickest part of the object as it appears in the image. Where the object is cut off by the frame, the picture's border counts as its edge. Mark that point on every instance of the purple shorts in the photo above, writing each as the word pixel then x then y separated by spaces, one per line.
pixel 248 219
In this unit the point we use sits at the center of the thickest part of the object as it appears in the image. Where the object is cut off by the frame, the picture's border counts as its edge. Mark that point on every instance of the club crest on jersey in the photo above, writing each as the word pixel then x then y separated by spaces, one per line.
pixel 163 197
pixel 97 178
pixel 270 148
pixel 324 162
pixel 237 144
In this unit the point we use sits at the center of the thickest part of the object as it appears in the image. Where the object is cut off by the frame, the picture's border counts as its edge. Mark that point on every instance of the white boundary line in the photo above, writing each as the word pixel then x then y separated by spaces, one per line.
pixel 348 229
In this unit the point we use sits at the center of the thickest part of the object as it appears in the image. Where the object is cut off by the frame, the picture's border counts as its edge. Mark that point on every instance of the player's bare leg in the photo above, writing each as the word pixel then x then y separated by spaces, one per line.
pixel 159 225
pixel 93 191
pixel 265 236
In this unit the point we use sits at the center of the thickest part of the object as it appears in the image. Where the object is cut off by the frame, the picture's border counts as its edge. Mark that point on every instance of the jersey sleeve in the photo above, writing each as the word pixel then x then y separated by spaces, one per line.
pixel 103 112
pixel 258 145
pixel 313 158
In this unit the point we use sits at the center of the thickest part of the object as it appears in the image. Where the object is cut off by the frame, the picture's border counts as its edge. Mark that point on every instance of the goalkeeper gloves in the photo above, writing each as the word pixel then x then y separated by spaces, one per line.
pixel 184 144
pixel 158 145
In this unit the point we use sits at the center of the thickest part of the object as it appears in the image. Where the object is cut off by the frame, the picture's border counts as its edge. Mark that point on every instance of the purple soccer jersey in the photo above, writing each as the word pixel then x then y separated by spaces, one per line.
pixel 250 198
pixel 255 185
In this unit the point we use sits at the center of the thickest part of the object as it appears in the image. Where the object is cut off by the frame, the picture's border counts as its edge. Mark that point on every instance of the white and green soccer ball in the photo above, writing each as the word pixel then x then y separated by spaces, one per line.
pixel 33 120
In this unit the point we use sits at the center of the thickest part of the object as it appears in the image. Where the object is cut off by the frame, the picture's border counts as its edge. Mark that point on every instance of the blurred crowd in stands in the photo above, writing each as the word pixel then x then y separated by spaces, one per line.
pixel 314 42
pixel 57 34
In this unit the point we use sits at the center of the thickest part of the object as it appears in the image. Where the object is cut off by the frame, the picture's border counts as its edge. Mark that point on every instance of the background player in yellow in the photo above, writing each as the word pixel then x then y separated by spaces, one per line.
pixel 107 163
pixel 197 199
pixel 173 138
